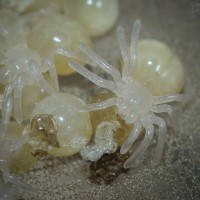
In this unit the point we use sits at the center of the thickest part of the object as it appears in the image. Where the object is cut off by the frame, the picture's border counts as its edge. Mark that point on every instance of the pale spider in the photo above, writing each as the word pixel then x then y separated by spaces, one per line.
pixel 23 66
pixel 135 103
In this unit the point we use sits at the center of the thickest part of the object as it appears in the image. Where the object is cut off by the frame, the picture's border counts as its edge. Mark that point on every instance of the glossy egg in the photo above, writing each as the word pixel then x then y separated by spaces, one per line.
pixel 97 16
pixel 57 31
pixel 73 129
pixel 158 68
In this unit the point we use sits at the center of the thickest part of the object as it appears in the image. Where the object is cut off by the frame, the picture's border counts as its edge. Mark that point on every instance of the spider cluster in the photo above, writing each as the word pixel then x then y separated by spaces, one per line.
pixel 151 78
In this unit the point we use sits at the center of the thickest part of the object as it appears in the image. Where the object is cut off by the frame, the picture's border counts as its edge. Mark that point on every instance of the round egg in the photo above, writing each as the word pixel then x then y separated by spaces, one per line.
pixel 158 68
pixel 57 31
pixel 72 128
pixel 97 16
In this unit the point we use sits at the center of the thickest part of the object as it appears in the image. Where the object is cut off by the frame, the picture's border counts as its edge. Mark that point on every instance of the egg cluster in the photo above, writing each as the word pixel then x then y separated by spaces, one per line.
pixel 40 40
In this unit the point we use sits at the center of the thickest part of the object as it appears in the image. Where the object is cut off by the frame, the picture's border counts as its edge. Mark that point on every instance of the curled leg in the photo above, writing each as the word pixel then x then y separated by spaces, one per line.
pixel 161 137
pixel 132 137
pixel 92 77
pixel 99 106
pixel 143 146
pixel 167 108
pixel 101 63
pixel 39 78
pixel 18 85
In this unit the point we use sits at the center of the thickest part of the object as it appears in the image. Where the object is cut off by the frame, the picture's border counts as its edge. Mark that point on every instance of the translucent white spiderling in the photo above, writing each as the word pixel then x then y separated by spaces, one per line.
pixel 23 66
pixel 135 103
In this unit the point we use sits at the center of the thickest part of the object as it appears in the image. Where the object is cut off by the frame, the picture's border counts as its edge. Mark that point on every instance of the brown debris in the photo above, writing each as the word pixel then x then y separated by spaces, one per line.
pixel 108 167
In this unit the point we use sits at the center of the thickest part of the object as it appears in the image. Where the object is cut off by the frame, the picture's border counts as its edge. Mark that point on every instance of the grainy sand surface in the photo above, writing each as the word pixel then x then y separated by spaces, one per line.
pixel 177 23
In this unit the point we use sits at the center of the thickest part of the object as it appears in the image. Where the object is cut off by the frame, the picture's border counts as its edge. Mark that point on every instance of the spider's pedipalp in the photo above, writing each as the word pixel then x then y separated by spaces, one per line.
pixel 92 77
pixel 132 137
pixel 124 51
pixel 161 137
pixel 134 40
pixel 101 62
pixel 143 146
pixel 99 106
pixel 34 68
pixel 166 108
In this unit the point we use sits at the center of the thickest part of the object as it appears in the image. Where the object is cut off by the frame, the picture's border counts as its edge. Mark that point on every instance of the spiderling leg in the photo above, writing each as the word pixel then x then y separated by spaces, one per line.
pixel 100 105
pixel 101 63
pixel 167 108
pixel 134 40
pixel 125 52
pixel 171 97
pixel 39 78
pixel 143 146
pixel 132 137
pixel 92 77
pixel 18 86
pixel 53 74
pixel 161 137
pixel 7 104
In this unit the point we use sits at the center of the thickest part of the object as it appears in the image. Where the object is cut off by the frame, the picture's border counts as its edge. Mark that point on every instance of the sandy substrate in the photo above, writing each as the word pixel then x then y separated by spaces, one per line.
pixel 177 23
